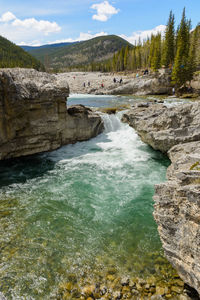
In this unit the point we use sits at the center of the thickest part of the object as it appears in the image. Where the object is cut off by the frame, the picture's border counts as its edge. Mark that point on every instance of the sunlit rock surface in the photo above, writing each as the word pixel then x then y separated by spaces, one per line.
pixel 162 127
pixel 34 116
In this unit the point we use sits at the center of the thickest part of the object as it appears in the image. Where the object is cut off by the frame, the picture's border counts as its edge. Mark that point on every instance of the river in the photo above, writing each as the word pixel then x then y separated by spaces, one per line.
pixel 80 211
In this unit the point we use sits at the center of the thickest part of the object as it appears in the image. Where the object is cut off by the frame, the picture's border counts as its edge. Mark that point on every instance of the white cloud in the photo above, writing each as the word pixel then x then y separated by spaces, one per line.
pixel 28 29
pixel 6 17
pixel 104 11
pixel 143 35
pixel 43 26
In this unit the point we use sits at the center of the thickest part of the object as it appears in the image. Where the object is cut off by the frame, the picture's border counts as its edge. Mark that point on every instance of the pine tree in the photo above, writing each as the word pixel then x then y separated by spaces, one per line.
pixel 121 59
pixel 155 52
pixel 156 59
pixel 180 73
pixel 169 42
pixel 114 63
pixel 192 63
pixel 126 57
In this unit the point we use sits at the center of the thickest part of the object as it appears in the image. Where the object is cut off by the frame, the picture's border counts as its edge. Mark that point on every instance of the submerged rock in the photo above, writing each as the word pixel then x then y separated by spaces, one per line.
pixel 34 117
pixel 177 201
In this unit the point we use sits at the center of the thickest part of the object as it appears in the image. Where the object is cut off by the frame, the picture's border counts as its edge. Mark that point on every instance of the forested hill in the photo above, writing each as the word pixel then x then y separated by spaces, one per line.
pixel 12 56
pixel 76 54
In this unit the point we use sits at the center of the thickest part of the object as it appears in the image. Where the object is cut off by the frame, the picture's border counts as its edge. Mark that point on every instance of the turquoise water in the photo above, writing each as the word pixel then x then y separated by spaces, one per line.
pixel 79 211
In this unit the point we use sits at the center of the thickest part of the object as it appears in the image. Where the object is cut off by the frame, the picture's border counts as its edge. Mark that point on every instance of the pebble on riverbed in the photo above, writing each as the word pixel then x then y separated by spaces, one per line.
pixel 113 287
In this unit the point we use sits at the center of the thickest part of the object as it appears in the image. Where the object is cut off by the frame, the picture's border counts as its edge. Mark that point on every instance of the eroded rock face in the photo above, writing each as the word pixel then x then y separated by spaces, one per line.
pixel 177 201
pixel 163 128
pixel 33 114
pixel 177 212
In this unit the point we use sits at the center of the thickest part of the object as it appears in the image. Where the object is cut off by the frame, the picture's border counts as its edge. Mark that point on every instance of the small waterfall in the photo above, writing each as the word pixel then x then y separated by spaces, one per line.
pixel 112 122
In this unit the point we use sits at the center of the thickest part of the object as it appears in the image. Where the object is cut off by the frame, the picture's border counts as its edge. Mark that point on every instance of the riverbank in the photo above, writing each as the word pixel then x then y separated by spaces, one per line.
pixel 103 83
pixel 91 82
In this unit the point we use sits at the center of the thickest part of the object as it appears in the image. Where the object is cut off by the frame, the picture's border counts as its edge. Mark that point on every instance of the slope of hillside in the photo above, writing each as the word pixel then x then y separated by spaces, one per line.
pixel 12 56
pixel 94 50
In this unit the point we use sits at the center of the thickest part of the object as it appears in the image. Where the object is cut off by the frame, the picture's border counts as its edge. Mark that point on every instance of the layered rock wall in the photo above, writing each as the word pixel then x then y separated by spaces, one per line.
pixel 34 116
pixel 176 131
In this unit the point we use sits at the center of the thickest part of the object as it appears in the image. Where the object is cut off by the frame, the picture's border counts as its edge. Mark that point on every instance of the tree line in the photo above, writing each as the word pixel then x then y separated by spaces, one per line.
pixel 178 50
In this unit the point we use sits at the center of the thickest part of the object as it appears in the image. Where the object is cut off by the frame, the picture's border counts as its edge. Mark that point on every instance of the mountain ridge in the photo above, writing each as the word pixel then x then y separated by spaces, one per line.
pixel 79 53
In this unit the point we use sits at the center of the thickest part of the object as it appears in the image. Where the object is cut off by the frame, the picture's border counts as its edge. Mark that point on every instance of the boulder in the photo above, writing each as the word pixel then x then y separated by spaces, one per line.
pixel 82 124
pixel 34 116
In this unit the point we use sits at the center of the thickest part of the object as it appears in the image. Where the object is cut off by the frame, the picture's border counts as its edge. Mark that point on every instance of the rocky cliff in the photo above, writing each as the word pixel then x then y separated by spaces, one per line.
pixel 177 201
pixel 34 117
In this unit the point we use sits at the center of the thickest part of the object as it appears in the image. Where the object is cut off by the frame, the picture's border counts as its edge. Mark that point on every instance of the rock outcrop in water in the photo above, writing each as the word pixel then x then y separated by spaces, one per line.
pixel 177 201
pixel 34 117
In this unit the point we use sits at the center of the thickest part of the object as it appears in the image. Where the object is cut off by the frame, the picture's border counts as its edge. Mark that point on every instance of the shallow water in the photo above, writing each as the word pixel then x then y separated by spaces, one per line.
pixel 79 210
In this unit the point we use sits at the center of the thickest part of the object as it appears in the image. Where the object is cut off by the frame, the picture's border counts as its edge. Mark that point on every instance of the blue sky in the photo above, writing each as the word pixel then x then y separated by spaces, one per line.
pixel 46 21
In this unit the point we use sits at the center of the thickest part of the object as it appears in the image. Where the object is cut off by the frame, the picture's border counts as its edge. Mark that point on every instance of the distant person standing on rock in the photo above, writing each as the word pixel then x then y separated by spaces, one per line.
pixel 88 83
pixel 84 84
pixel 102 85
pixel 121 80
pixel 173 91
pixel 114 80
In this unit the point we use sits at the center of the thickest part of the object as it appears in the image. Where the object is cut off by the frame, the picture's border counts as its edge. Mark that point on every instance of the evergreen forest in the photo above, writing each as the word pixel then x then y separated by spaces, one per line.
pixel 178 50
pixel 12 56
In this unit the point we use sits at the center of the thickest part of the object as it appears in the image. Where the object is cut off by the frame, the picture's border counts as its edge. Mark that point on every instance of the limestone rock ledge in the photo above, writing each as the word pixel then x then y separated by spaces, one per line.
pixel 162 127
pixel 34 116
pixel 177 201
